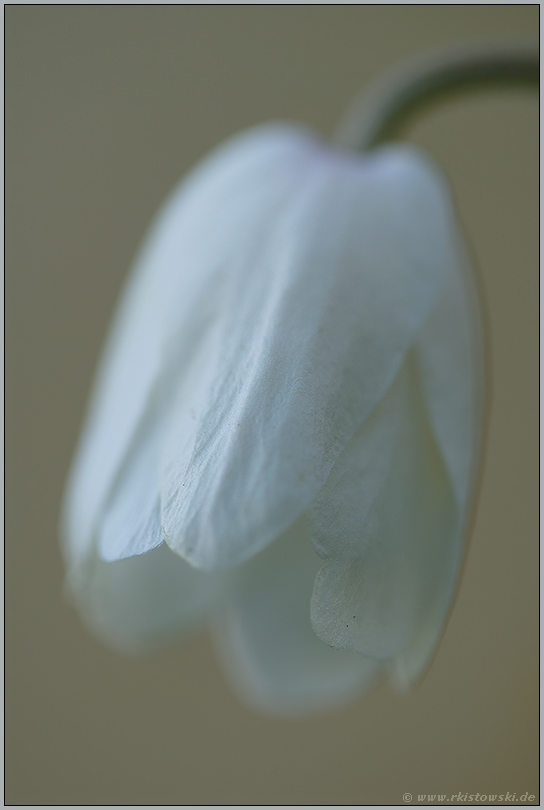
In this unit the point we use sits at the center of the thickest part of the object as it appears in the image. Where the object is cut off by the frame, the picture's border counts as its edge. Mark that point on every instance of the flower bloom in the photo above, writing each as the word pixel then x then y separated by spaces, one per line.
pixel 286 426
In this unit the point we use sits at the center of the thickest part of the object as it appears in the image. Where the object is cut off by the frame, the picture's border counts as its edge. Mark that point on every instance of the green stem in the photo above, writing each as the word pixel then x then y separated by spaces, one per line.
pixel 378 114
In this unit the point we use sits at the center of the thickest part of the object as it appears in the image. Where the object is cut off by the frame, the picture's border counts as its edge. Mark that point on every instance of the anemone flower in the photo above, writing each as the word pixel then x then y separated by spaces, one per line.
pixel 284 433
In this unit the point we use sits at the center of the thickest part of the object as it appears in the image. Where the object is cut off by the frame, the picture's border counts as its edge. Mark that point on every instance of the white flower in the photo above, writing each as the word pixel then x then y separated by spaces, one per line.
pixel 285 430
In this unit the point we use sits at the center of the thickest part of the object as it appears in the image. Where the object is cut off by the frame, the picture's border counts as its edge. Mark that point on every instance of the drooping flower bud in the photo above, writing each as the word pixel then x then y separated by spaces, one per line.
pixel 296 360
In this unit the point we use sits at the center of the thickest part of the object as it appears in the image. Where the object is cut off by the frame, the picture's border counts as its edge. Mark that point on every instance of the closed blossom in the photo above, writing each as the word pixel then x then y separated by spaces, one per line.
pixel 285 429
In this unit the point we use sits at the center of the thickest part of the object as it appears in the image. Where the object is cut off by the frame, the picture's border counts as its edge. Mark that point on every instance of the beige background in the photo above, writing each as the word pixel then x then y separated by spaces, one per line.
pixel 107 107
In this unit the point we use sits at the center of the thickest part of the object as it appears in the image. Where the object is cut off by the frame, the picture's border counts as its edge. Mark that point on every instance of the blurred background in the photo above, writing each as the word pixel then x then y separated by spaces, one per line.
pixel 107 107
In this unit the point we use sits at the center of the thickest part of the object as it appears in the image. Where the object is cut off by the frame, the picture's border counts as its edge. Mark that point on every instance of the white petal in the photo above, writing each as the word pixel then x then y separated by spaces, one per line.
pixel 450 352
pixel 388 523
pixel 324 291
pixel 275 660
pixel 147 600
pixel 167 306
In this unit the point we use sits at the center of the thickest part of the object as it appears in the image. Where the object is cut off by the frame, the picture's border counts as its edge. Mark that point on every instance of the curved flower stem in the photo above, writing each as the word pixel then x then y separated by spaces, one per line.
pixel 377 115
